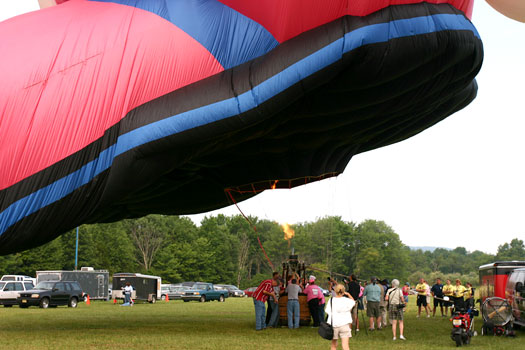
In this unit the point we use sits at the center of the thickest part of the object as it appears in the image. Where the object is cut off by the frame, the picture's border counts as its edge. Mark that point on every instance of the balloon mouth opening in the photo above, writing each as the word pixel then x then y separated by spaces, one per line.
pixel 260 186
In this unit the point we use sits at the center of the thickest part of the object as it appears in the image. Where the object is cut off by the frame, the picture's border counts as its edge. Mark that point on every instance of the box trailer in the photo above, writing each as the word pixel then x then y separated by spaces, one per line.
pixel 493 278
pixel 94 283
pixel 145 287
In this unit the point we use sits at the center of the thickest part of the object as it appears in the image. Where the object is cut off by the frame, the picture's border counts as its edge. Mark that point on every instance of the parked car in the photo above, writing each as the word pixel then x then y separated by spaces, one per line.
pixel 202 292
pixel 172 291
pixel 249 291
pixel 179 292
pixel 515 292
pixel 326 292
pixel 9 291
pixel 52 293
pixel 233 291
pixel 186 284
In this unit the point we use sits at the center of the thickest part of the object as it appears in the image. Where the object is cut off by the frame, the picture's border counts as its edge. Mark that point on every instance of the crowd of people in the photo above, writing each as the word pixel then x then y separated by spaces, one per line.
pixel 381 300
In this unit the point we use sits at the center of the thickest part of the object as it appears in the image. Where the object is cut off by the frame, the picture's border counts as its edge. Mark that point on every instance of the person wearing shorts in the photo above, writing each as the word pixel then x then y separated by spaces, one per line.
pixel 437 293
pixel 372 293
pixel 448 291
pixel 339 316
pixel 421 289
pixel 394 297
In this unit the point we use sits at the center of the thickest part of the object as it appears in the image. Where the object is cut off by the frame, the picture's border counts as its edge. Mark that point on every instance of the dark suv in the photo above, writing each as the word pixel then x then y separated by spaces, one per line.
pixel 52 293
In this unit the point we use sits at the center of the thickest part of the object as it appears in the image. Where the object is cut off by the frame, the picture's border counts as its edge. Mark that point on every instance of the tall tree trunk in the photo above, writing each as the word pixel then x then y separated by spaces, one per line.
pixel 148 241
pixel 244 248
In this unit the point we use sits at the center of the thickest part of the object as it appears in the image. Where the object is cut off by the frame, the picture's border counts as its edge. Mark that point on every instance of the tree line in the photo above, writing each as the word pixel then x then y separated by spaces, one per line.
pixel 226 249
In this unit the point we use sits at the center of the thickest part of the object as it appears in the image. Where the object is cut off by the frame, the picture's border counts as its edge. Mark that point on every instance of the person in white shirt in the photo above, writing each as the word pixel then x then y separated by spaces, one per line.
pixel 394 297
pixel 128 290
pixel 339 311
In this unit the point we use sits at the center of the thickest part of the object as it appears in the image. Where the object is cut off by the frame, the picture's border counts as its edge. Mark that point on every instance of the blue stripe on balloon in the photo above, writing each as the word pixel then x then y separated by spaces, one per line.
pixel 372 34
pixel 229 36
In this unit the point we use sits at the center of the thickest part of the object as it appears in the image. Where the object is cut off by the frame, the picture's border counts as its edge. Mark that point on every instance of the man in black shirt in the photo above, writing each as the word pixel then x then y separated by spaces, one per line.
pixel 354 289
pixel 437 293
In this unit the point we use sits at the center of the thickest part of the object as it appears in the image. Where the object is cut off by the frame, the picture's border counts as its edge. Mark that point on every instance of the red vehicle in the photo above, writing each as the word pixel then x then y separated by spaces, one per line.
pixel 463 326
pixel 249 292
pixel 493 278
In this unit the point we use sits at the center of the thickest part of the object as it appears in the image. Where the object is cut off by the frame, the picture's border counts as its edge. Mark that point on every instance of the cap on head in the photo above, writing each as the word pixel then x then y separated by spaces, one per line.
pixel 311 278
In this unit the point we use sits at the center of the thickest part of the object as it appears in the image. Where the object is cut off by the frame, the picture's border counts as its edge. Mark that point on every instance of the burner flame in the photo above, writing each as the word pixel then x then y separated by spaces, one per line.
pixel 288 232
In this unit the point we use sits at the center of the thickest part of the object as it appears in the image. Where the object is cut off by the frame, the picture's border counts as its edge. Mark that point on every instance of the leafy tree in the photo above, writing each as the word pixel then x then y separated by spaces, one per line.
pixel 515 250
pixel 369 262
pixel 226 249
pixel 147 234
pixel 378 240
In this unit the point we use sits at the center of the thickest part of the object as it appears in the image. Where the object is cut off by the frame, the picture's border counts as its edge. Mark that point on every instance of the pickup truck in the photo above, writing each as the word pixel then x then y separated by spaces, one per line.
pixel 204 292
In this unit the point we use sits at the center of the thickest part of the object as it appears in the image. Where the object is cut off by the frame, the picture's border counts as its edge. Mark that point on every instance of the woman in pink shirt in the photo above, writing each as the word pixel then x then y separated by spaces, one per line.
pixel 313 296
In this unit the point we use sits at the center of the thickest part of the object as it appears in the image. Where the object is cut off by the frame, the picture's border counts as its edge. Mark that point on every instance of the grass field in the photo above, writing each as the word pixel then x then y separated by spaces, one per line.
pixel 229 326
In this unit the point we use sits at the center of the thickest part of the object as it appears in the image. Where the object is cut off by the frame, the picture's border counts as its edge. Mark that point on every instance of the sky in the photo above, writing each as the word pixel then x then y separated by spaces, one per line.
pixel 458 183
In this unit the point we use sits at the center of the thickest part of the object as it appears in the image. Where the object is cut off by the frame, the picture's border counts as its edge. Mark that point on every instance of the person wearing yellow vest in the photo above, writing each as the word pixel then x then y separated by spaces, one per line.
pixel 459 293
pixel 469 295
pixel 448 291
pixel 421 289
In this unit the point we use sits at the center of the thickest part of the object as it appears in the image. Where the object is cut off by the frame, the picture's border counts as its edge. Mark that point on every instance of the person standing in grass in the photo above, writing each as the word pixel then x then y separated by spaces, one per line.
pixel 313 296
pixel 469 295
pixel 321 305
pixel 406 292
pixel 354 289
pixel 261 294
pixel 421 289
pixel 383 307
pixel 437 293
pixel 394 297
pixel 339 314
pixel 448 291
pixel 292 306
pixel 459 293
pixel 372 293
pixel 274 317
pixel 270 302
pixel 361 302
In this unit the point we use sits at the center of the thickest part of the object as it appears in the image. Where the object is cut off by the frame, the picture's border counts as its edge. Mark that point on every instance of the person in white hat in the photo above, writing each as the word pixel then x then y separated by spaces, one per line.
pixel 313 296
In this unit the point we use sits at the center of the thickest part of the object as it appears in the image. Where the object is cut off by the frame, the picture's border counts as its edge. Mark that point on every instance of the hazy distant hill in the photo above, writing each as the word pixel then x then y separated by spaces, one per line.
pixel 430 249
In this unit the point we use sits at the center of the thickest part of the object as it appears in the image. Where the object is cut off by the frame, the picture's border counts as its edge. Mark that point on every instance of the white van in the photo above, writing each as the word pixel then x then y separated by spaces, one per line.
pixel 20 278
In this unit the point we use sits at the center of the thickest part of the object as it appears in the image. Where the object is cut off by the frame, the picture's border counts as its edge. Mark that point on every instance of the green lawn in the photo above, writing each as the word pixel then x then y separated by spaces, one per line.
pixel 211 325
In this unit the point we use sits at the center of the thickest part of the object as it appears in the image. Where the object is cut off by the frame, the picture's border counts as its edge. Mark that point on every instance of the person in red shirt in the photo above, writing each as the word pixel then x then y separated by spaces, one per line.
pixel 261 294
